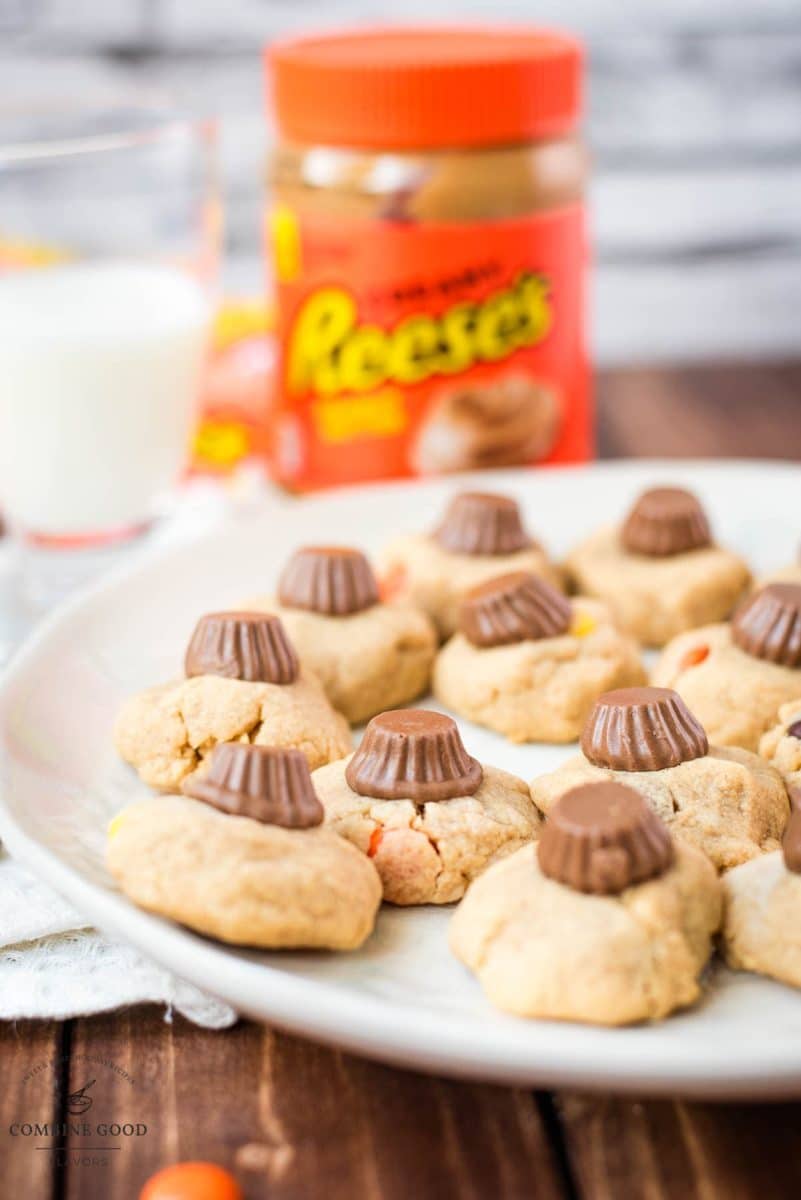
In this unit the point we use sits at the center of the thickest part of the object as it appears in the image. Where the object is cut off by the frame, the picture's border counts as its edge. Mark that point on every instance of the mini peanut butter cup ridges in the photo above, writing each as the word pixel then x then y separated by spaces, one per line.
pixel 332 580
pixel 642 729
pixel 261 782
pixel 242 645
pixel 602 838
pixel 482 523
pixel 666 521
pixel 413 754
pixel 513 608
pixel 768 626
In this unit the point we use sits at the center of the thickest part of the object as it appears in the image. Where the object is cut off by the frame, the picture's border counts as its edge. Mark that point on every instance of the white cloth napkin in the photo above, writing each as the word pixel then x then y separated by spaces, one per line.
pixel 53 965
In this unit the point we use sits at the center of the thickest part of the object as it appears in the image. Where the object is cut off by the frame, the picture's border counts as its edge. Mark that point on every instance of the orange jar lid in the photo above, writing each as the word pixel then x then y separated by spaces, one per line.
pixel 424 88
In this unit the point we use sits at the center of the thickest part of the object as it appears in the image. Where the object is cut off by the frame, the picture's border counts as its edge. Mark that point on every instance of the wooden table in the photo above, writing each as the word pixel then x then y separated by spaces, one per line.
pixel 296 1121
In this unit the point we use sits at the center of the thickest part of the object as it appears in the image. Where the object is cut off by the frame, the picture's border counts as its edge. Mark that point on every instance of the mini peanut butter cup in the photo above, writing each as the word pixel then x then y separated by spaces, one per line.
pixel 602 838
pixel 642 729
pixel 252 646
pixel 333 580
pixel 794 730
pixel 265 783
pixel 768 626
pixel 666 521
pixel 482 523
pixel 413 754
pixel 513 608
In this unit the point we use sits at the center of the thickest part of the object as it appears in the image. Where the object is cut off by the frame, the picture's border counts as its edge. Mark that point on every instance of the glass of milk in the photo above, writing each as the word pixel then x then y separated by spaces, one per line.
pixel 108 247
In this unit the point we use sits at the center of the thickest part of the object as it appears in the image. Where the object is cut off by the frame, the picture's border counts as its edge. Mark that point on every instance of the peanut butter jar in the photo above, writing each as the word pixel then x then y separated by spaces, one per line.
pixel 427 242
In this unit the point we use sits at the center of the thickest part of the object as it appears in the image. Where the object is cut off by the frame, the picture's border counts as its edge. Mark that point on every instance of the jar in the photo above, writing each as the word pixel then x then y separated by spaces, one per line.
pixel 426 238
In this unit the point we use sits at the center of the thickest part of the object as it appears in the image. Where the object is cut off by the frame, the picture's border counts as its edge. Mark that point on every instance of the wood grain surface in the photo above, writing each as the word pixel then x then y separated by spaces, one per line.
pixel 295 1121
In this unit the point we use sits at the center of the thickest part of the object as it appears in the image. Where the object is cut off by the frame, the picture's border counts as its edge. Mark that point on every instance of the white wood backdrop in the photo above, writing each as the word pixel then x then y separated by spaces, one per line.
pixel 694 118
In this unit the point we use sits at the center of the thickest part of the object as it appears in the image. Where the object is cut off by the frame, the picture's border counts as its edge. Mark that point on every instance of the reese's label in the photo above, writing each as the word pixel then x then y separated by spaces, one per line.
pixel 414 349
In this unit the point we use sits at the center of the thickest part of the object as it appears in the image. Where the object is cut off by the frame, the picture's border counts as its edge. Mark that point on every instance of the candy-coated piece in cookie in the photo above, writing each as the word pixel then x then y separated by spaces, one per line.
pixel 244 682
pixel 660 572
pixel 606 920
pixel 248 861
pixel 367 654
pixel 762 925
pixel 429 815
pixel 736 677
pixel 529 663
pixel 728 802
pixel 480 537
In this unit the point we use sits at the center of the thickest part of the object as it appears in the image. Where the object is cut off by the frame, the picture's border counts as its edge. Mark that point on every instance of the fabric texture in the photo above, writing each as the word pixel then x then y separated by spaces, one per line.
pixel 53 965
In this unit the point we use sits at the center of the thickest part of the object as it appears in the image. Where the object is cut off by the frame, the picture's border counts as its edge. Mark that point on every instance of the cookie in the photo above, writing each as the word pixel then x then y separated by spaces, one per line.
pixel 428 815
pixel 733 683
pixel 368 655
pixel 605 920
pixel 781 746
pixel 480 537
pixel 660 573
pixel 728 802
pixel 528 663
pixel 245 879
pixel 761 930
pixel 245 684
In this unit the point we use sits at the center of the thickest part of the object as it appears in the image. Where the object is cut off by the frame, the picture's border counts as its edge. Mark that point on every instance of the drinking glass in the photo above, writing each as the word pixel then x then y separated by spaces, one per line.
pixel 109 232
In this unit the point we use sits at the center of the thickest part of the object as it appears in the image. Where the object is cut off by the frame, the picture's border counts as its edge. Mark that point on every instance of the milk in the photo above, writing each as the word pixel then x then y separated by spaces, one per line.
pixel 100 368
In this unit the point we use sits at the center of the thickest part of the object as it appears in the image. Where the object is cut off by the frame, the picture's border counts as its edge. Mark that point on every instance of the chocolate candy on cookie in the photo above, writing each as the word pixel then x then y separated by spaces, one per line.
pixel 482 523
pixel 768 626
pixel 642 729
pixel 514 608
pixel 242 645
pixel 606 920
pixel 368 655
pixel 666 521
pixel 739 678
pixel 413 754
pixel 480 536
pixel 265 783
pixel 660 571
pixel 332 580
pixel 728 802
pixel 243 680
pixel 529 663
pixel 243 856
pixel 603 838
pixel 429 815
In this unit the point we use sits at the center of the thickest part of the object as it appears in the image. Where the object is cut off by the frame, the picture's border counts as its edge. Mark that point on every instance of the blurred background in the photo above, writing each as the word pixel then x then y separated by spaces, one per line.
pixel 694 118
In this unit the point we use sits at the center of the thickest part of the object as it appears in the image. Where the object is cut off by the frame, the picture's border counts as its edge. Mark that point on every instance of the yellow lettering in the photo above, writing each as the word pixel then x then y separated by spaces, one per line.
pixel 331 353
pixel 321 327
pixel 414 350
pixel 363 360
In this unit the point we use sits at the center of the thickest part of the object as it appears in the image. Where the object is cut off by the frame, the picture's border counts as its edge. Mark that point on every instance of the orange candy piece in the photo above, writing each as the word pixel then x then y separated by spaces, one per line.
pixel 192 1181
pixel 393 583
pixel 694 657
pixel 375 841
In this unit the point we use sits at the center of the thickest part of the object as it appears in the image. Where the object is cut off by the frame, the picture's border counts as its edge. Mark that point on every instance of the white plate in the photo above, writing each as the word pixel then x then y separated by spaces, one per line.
pixel 402 998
